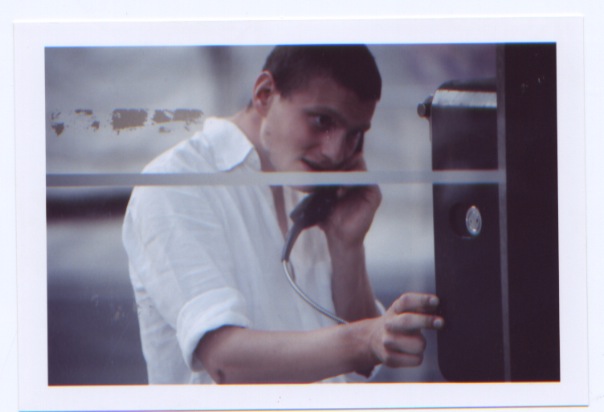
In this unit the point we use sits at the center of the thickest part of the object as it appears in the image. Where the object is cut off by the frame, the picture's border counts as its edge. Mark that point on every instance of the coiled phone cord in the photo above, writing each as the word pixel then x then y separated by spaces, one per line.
pixel 312 210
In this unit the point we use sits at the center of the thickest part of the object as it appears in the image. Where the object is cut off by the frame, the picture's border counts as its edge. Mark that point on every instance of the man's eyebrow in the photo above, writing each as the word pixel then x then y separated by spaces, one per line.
pixel 337 115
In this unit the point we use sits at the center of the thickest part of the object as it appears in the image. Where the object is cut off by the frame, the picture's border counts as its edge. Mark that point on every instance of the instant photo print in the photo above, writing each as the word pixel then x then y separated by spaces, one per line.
pixel 475 145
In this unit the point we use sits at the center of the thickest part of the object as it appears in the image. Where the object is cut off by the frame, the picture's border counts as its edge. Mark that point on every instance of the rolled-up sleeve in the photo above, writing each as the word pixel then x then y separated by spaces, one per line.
pixel 206 312
pixel 179 253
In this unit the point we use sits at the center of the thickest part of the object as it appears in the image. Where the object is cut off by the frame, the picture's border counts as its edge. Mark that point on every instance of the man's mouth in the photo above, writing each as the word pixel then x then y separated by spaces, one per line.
pixel 317 166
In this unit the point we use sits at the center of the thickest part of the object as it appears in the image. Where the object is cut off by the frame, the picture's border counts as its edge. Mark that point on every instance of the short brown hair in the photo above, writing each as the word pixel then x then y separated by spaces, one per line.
pixel 351 66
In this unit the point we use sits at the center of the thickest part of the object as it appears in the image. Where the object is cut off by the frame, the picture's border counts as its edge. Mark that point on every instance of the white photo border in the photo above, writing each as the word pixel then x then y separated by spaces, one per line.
pixel 31 39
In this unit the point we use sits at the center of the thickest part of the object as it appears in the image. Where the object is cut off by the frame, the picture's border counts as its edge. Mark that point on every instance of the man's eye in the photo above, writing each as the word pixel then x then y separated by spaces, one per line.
pixel 321 122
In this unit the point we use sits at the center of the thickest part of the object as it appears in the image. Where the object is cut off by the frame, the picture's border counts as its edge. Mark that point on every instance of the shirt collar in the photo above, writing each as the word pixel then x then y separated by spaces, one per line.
pixel 231 146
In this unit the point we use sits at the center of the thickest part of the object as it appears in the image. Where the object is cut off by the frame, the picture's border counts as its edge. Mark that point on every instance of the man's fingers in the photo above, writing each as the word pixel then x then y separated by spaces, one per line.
pixel 355 164
pixel 399 360
pixel 415 302
pixel 414 344
pixel 410 322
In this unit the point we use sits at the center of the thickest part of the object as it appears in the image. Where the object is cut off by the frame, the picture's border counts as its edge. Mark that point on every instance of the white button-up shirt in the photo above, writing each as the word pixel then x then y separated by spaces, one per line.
pixel 202 257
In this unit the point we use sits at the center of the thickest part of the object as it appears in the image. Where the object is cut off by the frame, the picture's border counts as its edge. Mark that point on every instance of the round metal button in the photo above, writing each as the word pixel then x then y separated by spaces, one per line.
pixel 473 221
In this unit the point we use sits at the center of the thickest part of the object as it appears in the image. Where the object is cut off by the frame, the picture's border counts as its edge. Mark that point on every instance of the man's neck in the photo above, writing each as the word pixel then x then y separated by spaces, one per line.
pixel 248 120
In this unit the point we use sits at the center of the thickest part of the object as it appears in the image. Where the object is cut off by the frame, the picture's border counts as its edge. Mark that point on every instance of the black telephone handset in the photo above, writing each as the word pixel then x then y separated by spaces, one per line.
pixel 313 209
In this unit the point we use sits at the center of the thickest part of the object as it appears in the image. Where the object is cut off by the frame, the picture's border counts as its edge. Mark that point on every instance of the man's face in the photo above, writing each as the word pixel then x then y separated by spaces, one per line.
pixel 316 128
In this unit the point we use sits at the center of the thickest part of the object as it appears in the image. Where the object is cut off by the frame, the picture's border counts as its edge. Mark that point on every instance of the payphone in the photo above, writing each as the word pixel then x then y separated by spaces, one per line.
pixel 496 235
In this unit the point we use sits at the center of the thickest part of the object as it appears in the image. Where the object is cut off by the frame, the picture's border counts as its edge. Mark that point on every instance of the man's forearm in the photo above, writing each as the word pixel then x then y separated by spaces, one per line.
pixel 238 355
pixel 351 289
pixel 345 231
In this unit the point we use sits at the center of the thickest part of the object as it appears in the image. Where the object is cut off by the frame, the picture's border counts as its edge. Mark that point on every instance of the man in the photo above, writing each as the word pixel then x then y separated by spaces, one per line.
pixel 214 305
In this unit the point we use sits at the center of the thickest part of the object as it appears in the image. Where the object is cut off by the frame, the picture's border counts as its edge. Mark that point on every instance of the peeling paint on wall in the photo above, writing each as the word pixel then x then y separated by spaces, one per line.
pixel 187 116
pixel 128 118
pixel 58 127
pixel 120 120
pixel 161 116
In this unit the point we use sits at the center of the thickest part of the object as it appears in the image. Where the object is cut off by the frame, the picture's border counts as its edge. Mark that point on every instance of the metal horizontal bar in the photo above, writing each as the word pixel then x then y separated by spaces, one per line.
pixel 275 179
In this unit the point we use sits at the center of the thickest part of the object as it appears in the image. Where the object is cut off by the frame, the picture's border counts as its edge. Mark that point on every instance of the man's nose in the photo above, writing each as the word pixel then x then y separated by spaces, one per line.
pixel 333 149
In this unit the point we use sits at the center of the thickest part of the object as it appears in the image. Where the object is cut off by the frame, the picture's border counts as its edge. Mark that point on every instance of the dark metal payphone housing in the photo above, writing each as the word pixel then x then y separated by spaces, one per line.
pixel 496 236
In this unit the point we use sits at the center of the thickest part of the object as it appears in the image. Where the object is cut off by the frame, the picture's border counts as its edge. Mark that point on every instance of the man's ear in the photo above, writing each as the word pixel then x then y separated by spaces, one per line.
pixel 264 92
